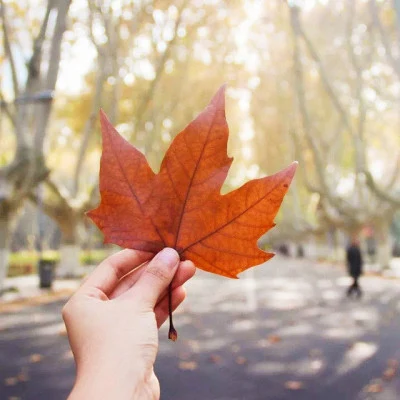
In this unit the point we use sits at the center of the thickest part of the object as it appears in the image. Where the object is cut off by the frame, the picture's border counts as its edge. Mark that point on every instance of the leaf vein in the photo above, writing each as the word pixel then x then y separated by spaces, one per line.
pixel 232 219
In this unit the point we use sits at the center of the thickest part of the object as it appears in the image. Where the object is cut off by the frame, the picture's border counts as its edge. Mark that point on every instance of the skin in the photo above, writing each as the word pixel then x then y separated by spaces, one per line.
pixel 113 319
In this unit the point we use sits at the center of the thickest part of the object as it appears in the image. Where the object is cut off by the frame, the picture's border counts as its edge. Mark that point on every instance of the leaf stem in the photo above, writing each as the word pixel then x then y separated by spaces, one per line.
pixel 172 334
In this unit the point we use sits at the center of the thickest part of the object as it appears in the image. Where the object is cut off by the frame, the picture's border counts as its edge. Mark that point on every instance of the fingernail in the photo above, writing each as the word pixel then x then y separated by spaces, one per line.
pixel 169 257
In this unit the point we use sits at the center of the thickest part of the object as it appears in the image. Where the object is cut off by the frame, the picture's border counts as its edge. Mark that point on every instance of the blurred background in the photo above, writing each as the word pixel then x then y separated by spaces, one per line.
pixel 316 81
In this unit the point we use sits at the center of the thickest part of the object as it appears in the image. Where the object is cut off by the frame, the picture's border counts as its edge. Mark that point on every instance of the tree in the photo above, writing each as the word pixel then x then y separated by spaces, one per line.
pixel 162 38
pixel 27 107
pixel 359 206
pixel 387 193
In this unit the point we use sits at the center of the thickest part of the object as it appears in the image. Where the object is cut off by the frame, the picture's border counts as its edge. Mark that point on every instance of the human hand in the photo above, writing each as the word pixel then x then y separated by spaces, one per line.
pixel 113 319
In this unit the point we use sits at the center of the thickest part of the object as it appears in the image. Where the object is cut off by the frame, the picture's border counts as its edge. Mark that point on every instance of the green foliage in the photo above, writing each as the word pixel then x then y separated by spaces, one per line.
pixel 25 262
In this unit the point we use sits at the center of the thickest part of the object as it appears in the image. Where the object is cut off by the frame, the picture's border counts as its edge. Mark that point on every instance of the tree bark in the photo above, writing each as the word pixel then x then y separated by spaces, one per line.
pixel 384 244
pixel 324 188
pixel 69 249
pixel 4 247
pixel 43 110
pixel 28 167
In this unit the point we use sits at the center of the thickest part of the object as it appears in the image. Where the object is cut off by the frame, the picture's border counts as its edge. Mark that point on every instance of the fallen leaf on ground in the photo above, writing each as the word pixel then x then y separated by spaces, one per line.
pixel 23 376
pixel 389 373
pixel 373 388
pixel 294 385
pixel 11 381
pixel 241 360
pixel 35 358
pixel 188 365
pixel 215 358
pixel 181 206
pixel 14 398
pixel 274 339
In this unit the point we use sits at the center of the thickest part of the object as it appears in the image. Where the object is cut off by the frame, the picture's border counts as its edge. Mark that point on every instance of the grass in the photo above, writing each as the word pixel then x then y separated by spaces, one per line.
pixel 25 262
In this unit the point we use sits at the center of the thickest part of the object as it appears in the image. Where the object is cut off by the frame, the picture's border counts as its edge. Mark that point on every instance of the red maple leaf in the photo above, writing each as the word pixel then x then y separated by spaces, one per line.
pixel 181 206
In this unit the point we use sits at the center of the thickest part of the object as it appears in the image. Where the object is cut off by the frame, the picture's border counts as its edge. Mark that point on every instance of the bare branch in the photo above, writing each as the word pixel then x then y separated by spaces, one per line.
pixel 6 107
pixel 360 149
pixel 52 210
pixel 395 174
pixel 303 170
pixel 324 189
pixel 92 11
pixel 90 124
pixel 385 193
pixel 358 137
pixel 55 49
pixel 92 199
pixel 34 78
pixel 158 74
pixel 324 77
pixel 396 6
pixel 60 193
pixel 8 50
pixel 338 219
pixel 382 194
pixel 395 63
pixel 43 110
pixel 36 58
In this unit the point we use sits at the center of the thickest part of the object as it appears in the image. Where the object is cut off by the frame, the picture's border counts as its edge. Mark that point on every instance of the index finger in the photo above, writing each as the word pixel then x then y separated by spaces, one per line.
pixel 109 272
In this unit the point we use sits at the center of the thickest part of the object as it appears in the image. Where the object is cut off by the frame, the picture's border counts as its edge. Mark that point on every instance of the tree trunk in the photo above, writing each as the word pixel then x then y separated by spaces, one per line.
pixel 337 249
pixel 383 245
pixel 69 250
pixel 4 249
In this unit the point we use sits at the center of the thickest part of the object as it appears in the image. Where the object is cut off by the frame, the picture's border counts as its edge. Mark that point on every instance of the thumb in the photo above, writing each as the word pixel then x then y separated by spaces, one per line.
pixel 156 277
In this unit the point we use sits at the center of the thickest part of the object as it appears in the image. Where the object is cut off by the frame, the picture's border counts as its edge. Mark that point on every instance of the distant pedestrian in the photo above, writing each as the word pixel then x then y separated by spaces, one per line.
pixel 354 267
pixel 284 249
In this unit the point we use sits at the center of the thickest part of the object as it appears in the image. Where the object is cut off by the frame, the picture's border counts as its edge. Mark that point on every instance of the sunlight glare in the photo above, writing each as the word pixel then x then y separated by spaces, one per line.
pixel 253 171
pixel 129 79
pixel 247 152
pixel 357 354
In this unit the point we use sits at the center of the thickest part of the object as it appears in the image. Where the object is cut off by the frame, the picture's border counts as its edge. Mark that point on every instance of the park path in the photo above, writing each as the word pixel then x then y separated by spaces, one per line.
pixel 283 331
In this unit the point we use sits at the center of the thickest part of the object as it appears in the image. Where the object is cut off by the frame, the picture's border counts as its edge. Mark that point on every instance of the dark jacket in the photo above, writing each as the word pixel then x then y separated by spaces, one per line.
pixel 354 261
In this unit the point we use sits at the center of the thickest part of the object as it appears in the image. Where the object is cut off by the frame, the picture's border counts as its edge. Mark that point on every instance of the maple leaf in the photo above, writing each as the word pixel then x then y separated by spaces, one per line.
pixel 181 206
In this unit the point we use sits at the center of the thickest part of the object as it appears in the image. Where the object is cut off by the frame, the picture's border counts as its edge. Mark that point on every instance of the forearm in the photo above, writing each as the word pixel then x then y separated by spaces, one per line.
pixel 108 390
pixel 108 385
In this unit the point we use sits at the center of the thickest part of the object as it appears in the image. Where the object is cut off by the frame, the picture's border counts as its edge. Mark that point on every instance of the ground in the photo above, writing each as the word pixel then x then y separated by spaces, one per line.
pixel 284 331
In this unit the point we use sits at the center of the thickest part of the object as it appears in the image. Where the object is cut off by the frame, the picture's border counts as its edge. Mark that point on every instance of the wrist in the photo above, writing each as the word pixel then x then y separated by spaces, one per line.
pixel 102 383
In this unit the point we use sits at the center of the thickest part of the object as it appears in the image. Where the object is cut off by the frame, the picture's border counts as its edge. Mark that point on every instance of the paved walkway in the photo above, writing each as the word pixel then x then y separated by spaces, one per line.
pixel 284 331
pixel 27 286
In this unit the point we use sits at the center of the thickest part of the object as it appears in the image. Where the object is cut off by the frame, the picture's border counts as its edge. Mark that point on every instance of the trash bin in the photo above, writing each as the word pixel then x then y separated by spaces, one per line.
pixel 46 273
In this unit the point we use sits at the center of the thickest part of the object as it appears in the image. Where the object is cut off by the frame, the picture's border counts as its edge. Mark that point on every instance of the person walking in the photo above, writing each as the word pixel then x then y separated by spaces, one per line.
pixel 354 267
